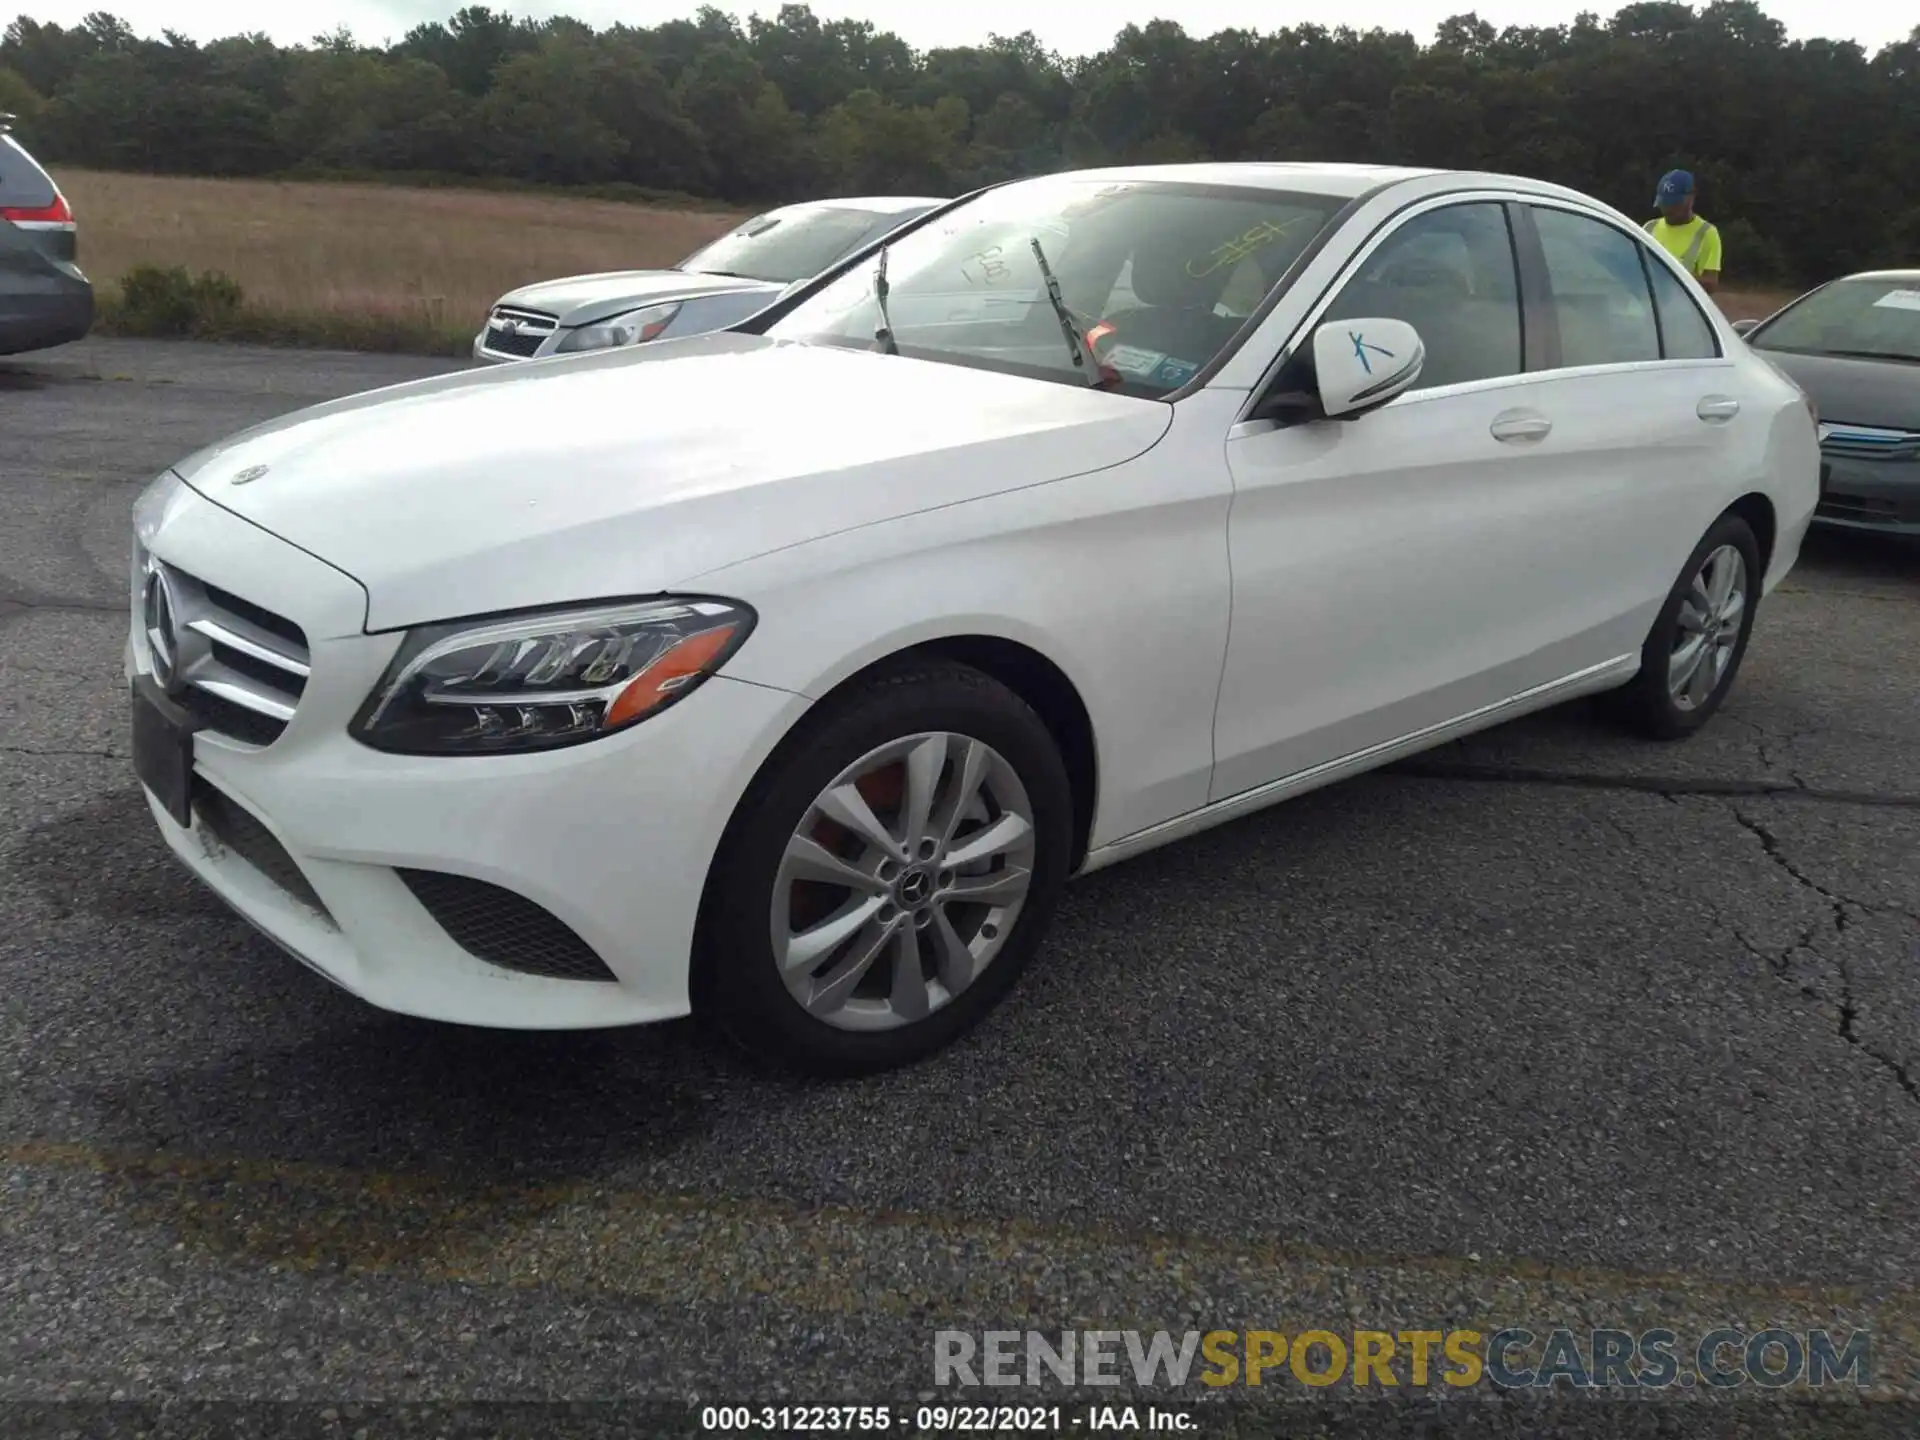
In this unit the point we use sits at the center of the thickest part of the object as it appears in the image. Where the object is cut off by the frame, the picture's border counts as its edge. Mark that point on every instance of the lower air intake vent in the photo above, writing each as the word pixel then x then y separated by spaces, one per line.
pixel 234 827
pixel 503 928
pixel 1867 509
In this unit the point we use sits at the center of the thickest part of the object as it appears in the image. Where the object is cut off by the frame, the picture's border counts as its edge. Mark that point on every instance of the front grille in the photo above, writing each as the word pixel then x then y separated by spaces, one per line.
pixel 504 929
pixel 236 722
pixel 268 621
pixel 235 827
pixel 1868 509
pixel 1868 442
pixel 240 669
pixel 516 332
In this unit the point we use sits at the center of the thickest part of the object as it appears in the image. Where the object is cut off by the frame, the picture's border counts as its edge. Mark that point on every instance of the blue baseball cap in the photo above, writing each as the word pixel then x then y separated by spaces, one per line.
pixel 1675 186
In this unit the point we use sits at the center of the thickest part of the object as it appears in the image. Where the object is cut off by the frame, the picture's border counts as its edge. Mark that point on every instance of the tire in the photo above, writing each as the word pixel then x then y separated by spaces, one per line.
pixel 762 900
pixel 1648 705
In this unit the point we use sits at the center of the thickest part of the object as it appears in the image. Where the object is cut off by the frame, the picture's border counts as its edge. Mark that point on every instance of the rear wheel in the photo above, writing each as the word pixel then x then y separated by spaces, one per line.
pixel 1696 645
pixel 889 876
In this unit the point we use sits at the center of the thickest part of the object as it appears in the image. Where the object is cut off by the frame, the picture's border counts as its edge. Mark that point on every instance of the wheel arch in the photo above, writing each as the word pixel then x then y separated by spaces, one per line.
pixel 1016 655
pixel 1761 517
pixel 1031 674
pixel 1054 697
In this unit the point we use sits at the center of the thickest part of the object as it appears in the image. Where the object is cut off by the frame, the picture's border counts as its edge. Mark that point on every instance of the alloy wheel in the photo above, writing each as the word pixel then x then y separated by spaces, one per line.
pixel 1711 614
pixel 903 881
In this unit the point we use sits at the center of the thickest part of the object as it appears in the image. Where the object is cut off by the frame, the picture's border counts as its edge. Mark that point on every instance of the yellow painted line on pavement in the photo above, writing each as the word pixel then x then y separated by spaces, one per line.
pixel 692 1248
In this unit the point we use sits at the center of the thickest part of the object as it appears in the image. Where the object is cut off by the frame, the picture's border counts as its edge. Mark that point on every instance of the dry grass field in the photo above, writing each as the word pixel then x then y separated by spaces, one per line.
pixel 389 266
pixel 418 259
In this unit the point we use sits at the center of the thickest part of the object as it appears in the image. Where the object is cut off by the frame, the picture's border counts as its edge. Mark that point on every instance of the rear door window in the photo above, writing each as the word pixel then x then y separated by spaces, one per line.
pixel 1601 298
pixel 1684 331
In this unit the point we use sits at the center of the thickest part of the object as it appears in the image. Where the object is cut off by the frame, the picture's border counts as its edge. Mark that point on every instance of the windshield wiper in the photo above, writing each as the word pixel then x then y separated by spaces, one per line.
pixel 880 290
pixel 1075 346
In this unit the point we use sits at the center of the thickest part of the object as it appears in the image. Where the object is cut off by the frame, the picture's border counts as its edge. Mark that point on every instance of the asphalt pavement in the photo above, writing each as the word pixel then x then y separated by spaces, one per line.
pixel 1549 1027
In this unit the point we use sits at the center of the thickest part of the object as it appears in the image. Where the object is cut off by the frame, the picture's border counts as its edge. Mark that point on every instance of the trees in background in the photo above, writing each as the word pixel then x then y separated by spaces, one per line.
pixel 1808 152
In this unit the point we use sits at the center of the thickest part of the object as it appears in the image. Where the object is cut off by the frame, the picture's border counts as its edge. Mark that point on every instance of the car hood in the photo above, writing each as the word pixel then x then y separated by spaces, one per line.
pixel 632 471
pixel 1878 393
pixel 583 299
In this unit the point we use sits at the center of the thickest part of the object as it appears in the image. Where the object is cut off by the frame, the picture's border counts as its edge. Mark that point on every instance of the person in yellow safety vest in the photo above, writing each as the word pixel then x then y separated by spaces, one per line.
pixel 1694 242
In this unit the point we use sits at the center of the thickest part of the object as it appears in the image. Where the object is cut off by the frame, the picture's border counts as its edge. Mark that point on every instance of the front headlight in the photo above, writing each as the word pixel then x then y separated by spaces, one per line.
pixel 537 682
pixel 633 328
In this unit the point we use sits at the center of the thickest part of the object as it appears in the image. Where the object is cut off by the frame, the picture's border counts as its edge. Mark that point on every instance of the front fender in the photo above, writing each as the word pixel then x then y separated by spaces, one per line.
pixel 1119 578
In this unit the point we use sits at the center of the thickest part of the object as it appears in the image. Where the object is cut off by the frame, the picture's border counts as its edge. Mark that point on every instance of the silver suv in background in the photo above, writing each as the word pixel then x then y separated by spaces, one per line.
pixel 718 285
pixel 44 298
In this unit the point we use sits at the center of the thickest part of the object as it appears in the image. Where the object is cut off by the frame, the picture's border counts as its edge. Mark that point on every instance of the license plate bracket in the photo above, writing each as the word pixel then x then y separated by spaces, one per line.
pixel 163 748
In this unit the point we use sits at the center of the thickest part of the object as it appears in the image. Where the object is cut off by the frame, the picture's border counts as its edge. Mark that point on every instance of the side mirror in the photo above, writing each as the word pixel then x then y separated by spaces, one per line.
pixel 1745 327
pixel 1359 365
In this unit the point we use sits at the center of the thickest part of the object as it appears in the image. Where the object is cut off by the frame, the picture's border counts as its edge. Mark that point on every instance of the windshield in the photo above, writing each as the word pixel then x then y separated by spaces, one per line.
pixel 1870 319
pixel 1156 277
pixel 784 245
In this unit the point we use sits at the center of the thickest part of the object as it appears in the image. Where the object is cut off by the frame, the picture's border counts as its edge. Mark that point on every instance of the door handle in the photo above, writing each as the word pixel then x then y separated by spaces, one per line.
pixel 1717 407
pixel 1519 426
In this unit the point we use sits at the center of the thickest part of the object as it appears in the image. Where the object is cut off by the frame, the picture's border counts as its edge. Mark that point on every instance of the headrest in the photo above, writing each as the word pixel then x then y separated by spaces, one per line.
pixel 1163 272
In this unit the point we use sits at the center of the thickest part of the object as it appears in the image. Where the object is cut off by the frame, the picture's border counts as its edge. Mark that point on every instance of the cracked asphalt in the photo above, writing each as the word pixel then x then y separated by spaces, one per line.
pixel 1550 1027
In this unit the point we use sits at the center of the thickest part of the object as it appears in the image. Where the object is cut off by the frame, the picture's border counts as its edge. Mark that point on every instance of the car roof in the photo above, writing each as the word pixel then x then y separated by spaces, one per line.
pixel 877 204
pixel 1342 180
pixel 1905 277
pixel 1346 182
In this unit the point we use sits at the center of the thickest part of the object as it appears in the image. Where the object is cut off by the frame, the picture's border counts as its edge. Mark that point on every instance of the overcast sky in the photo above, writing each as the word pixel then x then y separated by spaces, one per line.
pixel 1070 26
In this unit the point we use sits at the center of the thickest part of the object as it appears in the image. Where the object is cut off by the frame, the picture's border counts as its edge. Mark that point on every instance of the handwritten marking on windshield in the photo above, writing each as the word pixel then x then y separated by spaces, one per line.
pixel 1243 245
pixel 992 270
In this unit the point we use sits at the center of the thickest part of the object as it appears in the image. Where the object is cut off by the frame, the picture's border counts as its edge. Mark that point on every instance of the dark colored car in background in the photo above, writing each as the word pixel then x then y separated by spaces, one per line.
pixel 720 284
pixel 1853 345
pixel 44 298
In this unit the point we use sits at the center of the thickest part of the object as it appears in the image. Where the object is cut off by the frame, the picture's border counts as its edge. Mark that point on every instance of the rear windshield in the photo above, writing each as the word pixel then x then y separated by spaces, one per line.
pixel 1857 319
pixel 785 245
pixel 22 181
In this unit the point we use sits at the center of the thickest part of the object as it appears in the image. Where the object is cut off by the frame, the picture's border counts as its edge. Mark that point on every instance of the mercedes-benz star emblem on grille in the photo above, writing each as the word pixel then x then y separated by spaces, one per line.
pixel 249 475
pixel 163 634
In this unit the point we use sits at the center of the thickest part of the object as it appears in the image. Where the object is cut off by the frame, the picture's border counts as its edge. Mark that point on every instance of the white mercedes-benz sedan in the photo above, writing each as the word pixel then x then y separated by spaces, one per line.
pixel 786 674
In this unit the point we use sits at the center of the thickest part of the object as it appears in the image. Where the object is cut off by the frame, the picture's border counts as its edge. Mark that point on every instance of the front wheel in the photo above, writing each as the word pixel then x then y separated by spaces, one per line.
pixel 889 875
pixel 1699 639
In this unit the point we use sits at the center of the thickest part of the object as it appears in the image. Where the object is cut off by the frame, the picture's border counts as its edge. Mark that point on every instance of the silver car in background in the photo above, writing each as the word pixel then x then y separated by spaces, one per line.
pixel 718 285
